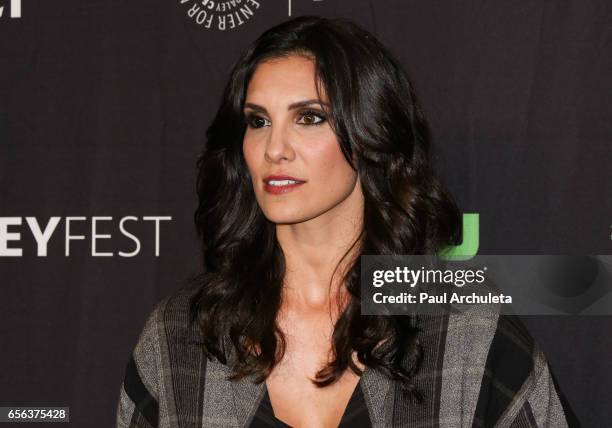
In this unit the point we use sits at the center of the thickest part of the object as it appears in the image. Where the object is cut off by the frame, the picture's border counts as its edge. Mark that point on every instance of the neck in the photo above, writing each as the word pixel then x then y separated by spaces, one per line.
pixel 318 253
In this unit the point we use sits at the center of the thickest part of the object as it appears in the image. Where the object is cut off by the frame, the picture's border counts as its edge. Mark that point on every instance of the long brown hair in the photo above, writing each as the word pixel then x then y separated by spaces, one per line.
pixel 377 120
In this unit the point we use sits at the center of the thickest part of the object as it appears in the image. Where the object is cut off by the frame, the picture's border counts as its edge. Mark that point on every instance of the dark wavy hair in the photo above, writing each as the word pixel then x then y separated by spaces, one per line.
pixel 374 113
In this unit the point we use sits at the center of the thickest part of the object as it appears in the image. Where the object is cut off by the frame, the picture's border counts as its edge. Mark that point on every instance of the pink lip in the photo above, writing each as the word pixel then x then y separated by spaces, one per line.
pixel 277 190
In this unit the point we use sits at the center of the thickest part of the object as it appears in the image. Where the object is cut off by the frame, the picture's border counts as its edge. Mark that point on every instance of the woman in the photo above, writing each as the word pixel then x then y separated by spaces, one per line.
pixel 318 154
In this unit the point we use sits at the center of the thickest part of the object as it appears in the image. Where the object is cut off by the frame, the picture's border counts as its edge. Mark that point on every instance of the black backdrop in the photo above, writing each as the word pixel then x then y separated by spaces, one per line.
pixel 104 105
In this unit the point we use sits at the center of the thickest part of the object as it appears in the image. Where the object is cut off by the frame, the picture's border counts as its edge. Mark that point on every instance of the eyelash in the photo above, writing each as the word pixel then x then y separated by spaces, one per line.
pixel 250 117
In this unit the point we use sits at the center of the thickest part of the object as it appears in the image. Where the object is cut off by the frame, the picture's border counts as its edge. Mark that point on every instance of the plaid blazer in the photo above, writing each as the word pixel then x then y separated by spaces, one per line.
pixel 479 370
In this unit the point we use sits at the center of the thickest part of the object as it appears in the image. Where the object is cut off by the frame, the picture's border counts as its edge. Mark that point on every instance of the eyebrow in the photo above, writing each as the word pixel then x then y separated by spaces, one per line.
pixel 292 106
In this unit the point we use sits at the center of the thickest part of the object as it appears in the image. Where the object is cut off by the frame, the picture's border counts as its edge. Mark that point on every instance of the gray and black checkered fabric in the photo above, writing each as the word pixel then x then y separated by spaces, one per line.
pixel 479 370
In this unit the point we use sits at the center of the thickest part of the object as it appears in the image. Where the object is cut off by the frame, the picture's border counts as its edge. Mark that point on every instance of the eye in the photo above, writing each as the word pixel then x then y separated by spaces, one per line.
pixel 311 117
pixel 254 121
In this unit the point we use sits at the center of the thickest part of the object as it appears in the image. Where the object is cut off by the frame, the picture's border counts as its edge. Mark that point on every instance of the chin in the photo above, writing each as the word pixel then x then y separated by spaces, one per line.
pixel 288 216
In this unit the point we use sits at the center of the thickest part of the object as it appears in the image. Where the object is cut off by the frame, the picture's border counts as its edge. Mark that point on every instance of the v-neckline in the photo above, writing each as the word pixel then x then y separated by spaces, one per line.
pixel 282 424
pixel 377 391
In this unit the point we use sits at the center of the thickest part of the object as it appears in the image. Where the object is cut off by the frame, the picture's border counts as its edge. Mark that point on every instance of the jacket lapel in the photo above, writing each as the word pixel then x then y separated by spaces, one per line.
pixel 379 396
pixel 246 393
pixel 229 403
pixel 247 396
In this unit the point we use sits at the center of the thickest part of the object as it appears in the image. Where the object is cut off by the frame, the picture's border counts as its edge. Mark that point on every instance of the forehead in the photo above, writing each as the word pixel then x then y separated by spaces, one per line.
pixel 291 78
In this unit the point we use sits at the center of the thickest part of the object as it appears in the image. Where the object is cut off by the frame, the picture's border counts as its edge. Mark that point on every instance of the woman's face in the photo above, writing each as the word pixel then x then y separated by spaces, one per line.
pixel 288 136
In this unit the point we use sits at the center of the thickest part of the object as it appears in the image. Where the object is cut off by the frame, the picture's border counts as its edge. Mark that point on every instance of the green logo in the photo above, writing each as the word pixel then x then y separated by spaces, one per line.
pixel 469 246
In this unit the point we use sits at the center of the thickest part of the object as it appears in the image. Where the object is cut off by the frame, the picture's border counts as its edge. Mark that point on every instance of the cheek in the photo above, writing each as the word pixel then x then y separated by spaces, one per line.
pixel 332 169
pixel 249 152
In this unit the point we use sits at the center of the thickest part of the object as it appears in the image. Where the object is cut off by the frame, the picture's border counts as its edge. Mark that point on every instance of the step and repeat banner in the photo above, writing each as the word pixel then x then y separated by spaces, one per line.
pixel 104 105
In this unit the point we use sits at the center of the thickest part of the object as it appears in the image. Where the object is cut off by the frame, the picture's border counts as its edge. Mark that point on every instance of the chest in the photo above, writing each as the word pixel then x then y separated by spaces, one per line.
pixel 298 402
pixel 295 399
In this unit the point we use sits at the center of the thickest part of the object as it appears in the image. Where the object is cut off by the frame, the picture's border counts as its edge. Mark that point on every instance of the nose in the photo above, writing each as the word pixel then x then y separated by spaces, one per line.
pixel 279 147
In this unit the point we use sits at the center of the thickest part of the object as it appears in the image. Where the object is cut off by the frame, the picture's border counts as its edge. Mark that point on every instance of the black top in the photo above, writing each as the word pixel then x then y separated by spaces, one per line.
pixel 355 415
